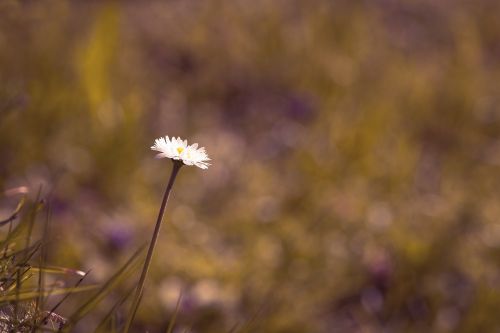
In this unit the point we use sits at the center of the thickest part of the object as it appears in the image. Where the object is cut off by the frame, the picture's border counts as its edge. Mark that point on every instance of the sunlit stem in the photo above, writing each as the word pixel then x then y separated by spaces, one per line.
pixel 149 256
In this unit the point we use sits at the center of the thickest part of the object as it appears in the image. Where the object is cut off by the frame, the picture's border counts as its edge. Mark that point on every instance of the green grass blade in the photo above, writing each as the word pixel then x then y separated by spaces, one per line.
pixel 32 294
pixel 13 234
pixel 171 324
pixel 32 216
pixel 25 252
pixel 100 327
pixel 104 290
pixel 58 270
pixel 40 301
pixel 14 214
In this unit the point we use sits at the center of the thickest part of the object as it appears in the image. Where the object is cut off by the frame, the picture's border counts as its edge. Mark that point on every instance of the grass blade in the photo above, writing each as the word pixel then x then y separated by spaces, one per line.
pixel 104 290
pixel 109 315
pixel 32 294
pixel 174 318
pixel 32 216
pixel 14 214
pixel 59 270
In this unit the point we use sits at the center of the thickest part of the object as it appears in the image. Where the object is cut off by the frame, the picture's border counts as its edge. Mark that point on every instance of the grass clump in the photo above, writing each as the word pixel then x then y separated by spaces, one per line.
pixel 31 291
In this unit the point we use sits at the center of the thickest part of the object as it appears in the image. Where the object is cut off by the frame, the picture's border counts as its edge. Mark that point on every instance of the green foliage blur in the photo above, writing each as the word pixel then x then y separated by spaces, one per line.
pixel 356 154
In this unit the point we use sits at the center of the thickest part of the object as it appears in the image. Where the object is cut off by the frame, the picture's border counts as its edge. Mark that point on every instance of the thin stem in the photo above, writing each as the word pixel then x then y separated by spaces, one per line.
pixel 149 256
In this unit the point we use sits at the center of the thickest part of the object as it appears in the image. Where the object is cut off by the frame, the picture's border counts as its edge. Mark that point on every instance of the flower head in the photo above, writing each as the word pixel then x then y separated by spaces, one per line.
pixel 176 149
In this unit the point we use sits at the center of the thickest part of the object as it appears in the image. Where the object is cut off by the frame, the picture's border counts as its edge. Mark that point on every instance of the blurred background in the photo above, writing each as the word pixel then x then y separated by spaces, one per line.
pixel 355 147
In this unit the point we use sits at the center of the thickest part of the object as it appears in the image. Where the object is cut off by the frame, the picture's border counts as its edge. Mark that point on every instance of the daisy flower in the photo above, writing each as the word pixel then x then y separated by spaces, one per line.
pixel 177 149
pixel 180 153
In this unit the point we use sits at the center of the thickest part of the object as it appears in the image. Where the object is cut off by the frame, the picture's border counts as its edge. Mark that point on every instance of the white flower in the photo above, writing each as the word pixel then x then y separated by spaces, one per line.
pixel 176 149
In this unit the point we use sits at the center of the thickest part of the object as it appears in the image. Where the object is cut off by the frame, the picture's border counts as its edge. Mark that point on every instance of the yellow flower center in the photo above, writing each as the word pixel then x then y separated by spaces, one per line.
pixel 180 149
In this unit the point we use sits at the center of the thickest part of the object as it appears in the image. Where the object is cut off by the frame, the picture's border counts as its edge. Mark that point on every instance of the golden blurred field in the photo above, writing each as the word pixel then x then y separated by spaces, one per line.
pixel 356 155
